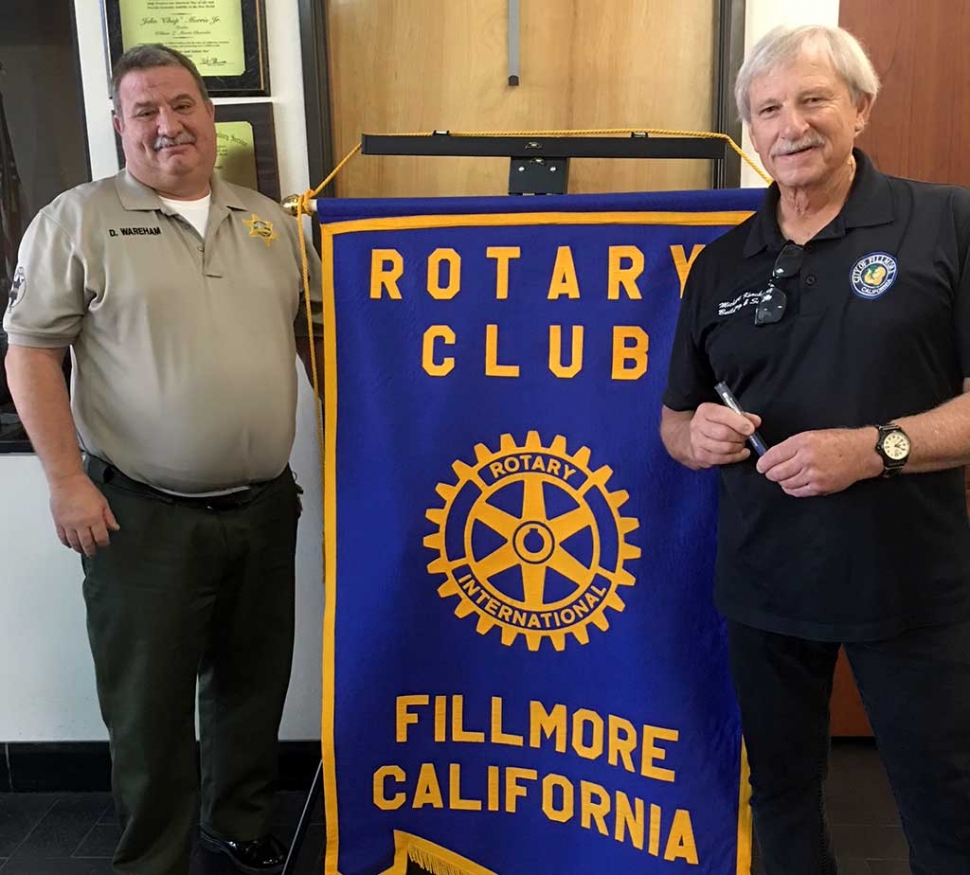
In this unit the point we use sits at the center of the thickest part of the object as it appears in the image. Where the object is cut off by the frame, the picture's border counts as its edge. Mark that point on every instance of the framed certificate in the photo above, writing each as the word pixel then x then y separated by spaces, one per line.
pixel 246 147
pixel 225 39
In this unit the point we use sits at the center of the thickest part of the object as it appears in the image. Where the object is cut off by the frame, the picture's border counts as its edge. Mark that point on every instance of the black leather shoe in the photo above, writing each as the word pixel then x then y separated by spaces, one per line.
pixel 264 856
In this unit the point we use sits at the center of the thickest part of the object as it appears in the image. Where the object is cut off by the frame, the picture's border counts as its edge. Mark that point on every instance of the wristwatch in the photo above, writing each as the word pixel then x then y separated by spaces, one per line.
pixel 894 446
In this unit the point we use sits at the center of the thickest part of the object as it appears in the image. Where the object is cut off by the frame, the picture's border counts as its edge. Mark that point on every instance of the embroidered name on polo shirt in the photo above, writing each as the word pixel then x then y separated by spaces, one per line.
pixel 745 299
pixel 134 232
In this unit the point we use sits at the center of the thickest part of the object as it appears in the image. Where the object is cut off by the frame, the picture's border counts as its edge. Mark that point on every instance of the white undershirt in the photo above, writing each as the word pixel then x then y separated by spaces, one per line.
pixel 196 213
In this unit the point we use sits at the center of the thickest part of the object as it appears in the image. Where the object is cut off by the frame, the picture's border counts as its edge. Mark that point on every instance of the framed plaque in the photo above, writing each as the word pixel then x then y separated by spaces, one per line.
pixel 246 146
pixel 226 39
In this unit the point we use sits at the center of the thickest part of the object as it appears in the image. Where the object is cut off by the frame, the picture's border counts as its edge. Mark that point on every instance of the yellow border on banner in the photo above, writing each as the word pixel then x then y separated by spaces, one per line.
pixel 329 550
pixel 744 814
pixel 395 223
pixel 465 220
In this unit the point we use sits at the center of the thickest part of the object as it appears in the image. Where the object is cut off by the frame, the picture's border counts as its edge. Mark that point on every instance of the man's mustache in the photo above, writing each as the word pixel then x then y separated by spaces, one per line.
pixel 798 145
pixel 183 139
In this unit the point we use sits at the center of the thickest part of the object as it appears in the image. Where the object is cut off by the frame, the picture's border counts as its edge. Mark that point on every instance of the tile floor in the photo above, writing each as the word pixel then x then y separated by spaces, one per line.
pixel 75 833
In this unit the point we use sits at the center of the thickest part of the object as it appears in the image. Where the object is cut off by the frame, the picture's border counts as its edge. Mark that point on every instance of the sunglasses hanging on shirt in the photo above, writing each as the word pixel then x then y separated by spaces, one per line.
pixel 771 306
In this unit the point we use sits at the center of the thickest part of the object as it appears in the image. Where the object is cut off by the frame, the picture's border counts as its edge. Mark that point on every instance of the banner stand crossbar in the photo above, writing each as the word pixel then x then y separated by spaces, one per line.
pixel 540 165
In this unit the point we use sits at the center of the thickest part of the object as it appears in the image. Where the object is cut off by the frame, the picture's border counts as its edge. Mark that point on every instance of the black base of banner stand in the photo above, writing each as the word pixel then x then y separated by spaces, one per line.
pixel 289 867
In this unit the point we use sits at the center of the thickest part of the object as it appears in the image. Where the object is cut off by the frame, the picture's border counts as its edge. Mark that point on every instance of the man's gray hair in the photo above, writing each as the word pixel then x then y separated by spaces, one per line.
pixel 147 57
pixel 784 45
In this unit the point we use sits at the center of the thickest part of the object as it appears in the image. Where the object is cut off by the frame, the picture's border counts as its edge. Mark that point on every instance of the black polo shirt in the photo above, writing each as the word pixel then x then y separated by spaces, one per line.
pixel 877 326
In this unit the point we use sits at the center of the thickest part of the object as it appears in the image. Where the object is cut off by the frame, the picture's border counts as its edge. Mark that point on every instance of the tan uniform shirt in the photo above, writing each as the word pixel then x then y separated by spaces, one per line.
pixel 184 348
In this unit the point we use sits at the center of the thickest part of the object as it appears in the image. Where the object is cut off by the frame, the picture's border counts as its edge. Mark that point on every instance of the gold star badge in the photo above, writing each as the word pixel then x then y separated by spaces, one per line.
pixel 261 228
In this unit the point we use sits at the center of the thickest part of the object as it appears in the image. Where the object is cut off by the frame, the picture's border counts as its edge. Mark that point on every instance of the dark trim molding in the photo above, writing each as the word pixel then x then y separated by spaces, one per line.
pixel 85 766
pixel 728 57
pixel 79 88
pixel 4 769
pixel 316 92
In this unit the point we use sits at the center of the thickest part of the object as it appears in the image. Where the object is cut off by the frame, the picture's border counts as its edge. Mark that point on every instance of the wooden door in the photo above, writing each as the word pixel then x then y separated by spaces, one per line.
pixel 920 128
pixel 404 66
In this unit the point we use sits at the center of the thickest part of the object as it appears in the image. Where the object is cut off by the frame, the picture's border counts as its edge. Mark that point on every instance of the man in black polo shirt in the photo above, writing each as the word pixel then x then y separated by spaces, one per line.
pixel 840 315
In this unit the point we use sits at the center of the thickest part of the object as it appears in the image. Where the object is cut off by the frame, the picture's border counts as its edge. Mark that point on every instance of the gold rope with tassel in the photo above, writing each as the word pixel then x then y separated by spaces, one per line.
pixel 302 208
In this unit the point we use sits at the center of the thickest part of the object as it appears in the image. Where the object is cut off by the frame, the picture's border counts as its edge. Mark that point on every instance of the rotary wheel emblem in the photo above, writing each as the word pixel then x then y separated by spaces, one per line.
pixel 531 540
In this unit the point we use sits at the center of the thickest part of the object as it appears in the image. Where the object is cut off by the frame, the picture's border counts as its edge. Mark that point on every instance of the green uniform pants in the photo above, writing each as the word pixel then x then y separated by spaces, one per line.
pixel 189 592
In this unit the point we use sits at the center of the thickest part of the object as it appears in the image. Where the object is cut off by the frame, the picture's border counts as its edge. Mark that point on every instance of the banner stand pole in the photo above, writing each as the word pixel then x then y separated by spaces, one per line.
pixel 293 855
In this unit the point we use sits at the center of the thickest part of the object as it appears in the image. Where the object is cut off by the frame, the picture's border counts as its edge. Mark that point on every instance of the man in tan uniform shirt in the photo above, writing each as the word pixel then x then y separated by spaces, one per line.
pixel 179 295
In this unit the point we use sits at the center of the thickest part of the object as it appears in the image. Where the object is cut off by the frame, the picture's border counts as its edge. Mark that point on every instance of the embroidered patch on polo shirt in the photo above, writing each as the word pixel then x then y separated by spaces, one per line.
pixel 18 287
pixel 261 228
pixel 873 275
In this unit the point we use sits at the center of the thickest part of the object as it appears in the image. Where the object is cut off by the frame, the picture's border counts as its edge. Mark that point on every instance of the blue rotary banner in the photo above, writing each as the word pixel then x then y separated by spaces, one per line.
pixel 523 670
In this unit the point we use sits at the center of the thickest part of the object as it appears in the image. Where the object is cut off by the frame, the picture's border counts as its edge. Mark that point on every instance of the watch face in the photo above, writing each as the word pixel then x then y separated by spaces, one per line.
pixel 896 445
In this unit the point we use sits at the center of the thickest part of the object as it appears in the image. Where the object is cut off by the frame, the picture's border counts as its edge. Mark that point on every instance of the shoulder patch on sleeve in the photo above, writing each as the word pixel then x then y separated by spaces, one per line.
pixel 18 288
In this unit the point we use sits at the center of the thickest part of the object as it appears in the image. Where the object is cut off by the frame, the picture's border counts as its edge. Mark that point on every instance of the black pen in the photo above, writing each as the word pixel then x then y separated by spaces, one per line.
pixel 727 396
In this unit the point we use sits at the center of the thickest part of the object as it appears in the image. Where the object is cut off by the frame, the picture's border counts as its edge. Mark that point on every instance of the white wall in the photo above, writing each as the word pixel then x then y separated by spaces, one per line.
pixel 46 674
pixel 760 17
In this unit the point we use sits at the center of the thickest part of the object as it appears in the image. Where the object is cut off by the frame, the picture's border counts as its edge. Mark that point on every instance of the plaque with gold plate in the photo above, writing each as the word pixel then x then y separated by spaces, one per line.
pixel 246 146
pixel 226 39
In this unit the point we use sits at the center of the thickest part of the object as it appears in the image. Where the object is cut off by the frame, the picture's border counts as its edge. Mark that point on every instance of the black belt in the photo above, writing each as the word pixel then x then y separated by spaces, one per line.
pixel 108 474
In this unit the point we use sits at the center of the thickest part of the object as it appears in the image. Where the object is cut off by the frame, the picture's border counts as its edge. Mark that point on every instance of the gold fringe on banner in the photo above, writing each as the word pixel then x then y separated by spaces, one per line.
pixel 430 857
pixel 433 864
